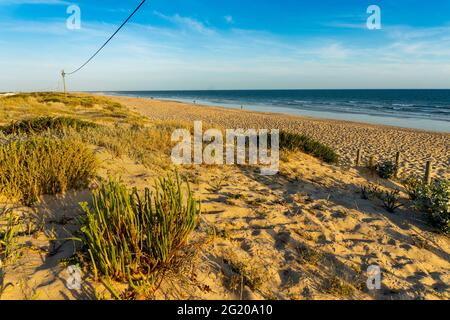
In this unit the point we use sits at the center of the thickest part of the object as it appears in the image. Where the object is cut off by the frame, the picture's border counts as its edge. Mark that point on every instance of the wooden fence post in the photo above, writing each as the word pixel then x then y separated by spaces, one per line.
pixel 428 169
pixel 358 157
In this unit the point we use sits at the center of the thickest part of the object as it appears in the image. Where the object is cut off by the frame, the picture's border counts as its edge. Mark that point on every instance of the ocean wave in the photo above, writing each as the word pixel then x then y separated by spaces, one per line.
pixel 402 105
pixel 390 103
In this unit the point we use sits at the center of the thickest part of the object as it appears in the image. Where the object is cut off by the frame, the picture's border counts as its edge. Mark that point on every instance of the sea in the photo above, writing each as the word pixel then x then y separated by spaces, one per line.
pixel 418 109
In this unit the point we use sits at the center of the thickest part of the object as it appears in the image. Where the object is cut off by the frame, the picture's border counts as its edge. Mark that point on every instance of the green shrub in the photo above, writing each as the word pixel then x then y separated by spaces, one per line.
pixel 134 238
pixel 370 190
pixel 434 200
pixel 7 233
pixel 414 187
pixel 296 142
pixel 36 166
pixel 390 200
pixel 386 170
pixel 43 124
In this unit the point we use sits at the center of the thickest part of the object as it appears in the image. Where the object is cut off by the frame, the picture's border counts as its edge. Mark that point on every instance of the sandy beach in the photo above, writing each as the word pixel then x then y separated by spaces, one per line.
pixel 382 142
pixel 306 233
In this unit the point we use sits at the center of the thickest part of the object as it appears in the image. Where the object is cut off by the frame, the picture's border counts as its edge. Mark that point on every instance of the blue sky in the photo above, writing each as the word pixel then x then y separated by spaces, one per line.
pixel 206 44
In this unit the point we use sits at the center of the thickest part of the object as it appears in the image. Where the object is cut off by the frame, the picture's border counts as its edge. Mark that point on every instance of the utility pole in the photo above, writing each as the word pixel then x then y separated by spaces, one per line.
pixel 63 74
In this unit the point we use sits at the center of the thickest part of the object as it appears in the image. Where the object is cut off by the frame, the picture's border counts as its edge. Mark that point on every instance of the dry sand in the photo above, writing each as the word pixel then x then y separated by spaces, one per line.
pixel 346 137
pixel 304 234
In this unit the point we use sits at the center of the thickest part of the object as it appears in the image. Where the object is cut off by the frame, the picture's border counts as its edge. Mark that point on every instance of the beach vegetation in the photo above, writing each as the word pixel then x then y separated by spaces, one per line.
pixel 369 190
pixel 244 274
pixel 133 237
pixel 39 125
pixel 386 169
pixel 80 106
pixel 69 99
pixel 434 200
pixel 216 185
pixel 414 187
pixel 222 233
pixel 338 287
pixel 298 142
pixel 75 100
pixel 308 254
pixel 34 166
pixel 148 146
pixel 8 229
pixel 390 200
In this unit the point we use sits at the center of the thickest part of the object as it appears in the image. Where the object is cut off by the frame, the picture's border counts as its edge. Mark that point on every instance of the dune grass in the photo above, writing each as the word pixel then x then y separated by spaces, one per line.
pixel 42 124
pixel 149 146
pixel 7 233
pixel 297 142
pixel 132 237
pixel 33 166
pixel 54 104
pixel 71 99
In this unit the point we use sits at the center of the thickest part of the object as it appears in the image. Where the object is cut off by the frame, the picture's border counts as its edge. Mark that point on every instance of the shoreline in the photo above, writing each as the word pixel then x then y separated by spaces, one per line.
pixel 358 112
pixel 308 117
pixel 297 116
pixel 346 137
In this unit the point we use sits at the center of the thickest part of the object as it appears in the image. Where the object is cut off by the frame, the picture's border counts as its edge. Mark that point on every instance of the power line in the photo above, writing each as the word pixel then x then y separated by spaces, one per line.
pixel 104 45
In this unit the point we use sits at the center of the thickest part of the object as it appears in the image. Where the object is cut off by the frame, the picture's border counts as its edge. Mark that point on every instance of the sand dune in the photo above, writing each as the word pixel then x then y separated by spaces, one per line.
pixel 382 142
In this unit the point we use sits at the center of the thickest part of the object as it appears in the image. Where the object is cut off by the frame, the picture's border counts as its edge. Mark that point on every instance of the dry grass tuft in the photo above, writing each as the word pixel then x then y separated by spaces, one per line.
pixel 42 124
pixel 338 287
pixel 35 166
pixel 244 274
pixel 53 104
pixel 149 146
pixel 297 142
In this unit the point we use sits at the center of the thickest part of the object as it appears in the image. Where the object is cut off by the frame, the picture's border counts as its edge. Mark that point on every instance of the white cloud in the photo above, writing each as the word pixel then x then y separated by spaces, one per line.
pixel 410 33
pixel 229 19
pixel 334 51
pixel 186 23
pixel 180 56
pixel 22 2
pixel 346 25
